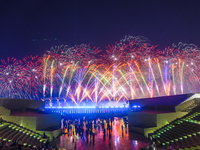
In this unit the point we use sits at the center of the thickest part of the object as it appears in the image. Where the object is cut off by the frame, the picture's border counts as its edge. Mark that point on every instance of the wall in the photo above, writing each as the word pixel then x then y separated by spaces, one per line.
pixel 149 130
pixel 138 119
pixel 48 121
pixel 4 111
pixel 144 123
pixel 188 104
pixel 35 123
pixel 160 101
pixel 27 122
pixel 163 119
pixel 51 134
pixel 136 130
pixel 20 103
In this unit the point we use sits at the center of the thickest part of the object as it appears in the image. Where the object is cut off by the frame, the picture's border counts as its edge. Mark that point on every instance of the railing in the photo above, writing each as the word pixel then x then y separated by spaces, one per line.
pixel 63 111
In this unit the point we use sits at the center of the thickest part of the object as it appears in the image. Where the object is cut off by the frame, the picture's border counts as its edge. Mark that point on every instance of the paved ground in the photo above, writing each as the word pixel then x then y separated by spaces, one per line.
pixel 119 140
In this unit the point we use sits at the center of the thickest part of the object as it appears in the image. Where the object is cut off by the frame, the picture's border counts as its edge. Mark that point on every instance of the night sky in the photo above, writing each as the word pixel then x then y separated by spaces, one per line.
pixel 30 27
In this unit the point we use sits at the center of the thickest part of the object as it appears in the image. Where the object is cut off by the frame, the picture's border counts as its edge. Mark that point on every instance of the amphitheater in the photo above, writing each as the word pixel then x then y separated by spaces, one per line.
pixel 170 122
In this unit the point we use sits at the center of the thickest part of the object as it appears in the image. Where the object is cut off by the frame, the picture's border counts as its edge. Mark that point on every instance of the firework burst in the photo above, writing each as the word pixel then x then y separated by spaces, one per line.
pixel 130 69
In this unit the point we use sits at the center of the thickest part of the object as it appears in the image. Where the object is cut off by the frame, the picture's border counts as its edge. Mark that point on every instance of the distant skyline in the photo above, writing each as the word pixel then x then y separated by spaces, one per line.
pixel 31 27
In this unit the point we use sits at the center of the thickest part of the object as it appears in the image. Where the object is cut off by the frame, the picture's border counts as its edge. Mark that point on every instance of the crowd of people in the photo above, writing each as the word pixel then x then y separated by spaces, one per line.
pixel 88 127
pixel 85 128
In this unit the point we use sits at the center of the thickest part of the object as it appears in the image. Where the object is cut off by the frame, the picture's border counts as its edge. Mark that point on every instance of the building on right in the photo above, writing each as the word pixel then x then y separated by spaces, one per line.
pixel 170 121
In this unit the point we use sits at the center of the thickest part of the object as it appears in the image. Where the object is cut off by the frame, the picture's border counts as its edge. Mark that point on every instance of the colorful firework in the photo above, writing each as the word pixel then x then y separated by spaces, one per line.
pixel 130 69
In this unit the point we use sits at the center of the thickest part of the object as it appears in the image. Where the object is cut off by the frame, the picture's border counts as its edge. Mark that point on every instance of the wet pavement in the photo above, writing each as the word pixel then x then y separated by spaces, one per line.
pixel 99 134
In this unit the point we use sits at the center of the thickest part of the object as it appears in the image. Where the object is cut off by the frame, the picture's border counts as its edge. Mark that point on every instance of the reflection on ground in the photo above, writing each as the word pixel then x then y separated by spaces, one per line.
pixel 100 134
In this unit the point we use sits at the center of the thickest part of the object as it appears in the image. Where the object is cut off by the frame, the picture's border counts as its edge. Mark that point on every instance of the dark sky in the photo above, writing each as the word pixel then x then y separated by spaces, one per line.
pixel 100 22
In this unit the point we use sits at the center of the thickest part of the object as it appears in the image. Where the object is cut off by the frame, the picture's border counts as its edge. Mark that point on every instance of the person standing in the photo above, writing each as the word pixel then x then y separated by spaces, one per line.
pixel 19 144
pixel 1 144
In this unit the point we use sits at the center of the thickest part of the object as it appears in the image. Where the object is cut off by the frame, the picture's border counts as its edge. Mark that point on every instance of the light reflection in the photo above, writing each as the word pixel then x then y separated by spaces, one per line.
pixel 115 142
pixel 136 142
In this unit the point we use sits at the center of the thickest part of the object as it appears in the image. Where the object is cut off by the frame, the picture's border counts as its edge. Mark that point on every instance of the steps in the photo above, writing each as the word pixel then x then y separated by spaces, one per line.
pixel 12 132
pixel 182 133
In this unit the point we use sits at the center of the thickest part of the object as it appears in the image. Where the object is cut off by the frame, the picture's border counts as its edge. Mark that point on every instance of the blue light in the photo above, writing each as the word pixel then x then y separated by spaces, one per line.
pixel 136 106
pixel 86 107
pixel 75 107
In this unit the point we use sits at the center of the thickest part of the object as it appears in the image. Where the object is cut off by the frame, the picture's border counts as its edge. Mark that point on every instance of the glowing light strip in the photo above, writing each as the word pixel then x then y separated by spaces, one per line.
pixel 84 107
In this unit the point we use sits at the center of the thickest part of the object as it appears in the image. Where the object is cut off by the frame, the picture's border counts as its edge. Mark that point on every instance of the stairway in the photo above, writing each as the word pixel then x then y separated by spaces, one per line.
pixel 182 133
pixel 11 132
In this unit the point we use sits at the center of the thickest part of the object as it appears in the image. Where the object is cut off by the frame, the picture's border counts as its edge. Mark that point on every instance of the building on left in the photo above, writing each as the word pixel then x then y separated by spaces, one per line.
pixel 27 121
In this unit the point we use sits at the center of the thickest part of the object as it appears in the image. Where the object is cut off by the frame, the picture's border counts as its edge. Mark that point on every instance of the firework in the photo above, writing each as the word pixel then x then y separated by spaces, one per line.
pixel 130 69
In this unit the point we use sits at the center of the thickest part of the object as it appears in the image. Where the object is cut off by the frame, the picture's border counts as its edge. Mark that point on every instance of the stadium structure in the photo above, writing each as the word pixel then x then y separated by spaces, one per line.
pixel 169 122
pixel 27 121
